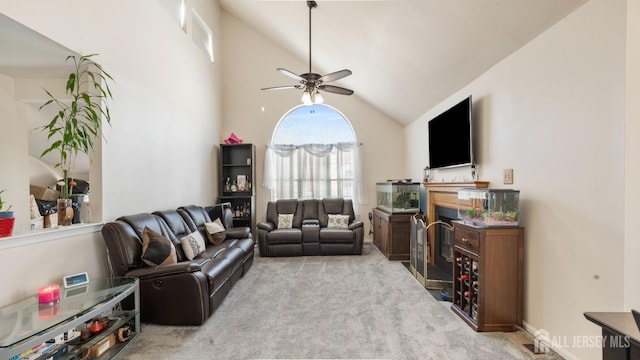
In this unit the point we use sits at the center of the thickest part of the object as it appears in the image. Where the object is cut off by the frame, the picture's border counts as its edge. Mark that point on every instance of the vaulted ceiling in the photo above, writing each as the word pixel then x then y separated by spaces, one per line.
pixel 406 55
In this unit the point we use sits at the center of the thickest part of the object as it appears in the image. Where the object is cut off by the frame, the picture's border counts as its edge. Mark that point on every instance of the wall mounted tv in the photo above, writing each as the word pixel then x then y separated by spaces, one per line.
pixel 450 135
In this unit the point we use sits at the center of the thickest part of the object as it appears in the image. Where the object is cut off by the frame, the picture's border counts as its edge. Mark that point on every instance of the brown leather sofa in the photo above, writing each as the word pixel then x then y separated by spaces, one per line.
pixel 189 291
pixel 309 233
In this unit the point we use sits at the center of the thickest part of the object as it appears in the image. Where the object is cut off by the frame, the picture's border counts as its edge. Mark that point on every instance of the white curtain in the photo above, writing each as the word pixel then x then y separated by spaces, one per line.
pixel 315 171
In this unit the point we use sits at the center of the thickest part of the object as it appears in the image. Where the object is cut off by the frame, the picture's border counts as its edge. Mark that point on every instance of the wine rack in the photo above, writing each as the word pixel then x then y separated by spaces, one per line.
pixel 466 294
pixel 488 275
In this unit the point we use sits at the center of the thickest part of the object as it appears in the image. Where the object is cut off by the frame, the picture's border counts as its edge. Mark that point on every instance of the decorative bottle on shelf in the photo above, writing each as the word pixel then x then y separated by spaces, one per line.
pixel 85 211
pixel 234 187
pixel 227 185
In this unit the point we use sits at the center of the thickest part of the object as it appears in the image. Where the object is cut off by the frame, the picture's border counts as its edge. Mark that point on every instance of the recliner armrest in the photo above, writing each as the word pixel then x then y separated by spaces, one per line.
pixel 266 226
pixel 311 222
pixel 164 270
pixel 164 286
pixel 356 224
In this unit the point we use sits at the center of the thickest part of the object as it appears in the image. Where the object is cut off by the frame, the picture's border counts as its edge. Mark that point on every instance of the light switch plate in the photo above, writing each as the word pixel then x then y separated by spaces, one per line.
pixel 507 177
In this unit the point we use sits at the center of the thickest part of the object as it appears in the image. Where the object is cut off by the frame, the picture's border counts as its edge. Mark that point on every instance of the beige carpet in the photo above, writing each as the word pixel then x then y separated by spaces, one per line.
pixel 339 307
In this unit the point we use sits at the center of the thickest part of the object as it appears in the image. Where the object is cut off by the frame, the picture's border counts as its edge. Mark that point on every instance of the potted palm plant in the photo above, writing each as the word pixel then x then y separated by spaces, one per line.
pixel 77 123
pixel 6 218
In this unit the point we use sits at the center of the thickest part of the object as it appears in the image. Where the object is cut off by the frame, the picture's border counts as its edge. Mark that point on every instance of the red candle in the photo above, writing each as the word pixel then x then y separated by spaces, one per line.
pixel 48 294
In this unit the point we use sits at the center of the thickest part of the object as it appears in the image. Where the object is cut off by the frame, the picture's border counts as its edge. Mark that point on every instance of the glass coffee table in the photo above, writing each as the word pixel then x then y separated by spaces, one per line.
pixel 27 324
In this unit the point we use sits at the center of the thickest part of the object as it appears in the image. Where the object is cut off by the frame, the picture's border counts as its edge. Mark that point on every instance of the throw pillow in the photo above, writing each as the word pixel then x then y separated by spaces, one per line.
pixel 285 221
pixel 193 245
pixel 156 249
pixel 215 231
pixel 338 221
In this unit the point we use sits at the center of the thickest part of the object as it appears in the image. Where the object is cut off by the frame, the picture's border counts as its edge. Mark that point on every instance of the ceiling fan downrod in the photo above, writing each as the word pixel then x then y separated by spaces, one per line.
pixel 311 5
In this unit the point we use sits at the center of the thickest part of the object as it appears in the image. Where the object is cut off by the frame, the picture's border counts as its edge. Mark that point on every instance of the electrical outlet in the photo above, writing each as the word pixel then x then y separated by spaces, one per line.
pixel 507 177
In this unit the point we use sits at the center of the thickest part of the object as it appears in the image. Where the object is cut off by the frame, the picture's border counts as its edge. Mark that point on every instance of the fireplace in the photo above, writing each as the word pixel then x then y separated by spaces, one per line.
pixel 443 205
pixel 443 239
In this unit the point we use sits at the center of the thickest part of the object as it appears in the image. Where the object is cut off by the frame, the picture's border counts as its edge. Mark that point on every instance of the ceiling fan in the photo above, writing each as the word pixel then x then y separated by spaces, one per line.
pixel 311 83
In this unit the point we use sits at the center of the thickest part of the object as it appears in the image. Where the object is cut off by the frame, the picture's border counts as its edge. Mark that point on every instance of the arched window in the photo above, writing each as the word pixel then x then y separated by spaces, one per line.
pixel 314 154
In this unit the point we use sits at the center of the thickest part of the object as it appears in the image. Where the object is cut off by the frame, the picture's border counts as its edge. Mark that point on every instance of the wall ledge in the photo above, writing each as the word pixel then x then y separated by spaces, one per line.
pixel 48 235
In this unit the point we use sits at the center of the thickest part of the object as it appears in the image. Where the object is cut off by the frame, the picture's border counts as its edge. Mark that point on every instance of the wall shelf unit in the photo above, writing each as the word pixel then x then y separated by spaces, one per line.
pixel 236 184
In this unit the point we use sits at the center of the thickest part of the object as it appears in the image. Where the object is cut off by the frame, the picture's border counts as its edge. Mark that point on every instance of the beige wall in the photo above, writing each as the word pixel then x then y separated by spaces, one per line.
pixel 632 163
pixel 554 111
pixel 25 268
pixel 14 175
pixel 160 152
pixel 250 61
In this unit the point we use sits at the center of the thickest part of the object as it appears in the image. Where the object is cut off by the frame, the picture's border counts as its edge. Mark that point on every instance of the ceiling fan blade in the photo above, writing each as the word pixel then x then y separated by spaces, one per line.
pixel 283 87
pixel 292 75
pixel 335 89
pixel 335 76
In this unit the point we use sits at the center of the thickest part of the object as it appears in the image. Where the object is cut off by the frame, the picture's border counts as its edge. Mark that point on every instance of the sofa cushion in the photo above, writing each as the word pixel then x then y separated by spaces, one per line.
pixel 156 249
pixel 285 206
pixel 310 209
pixel 178 227
pixel 217 272
pixel 329 206
pixel 215 231
pixel 285 236
pixel 234 255
pixel 338 221
pixel 194 216
pixel 246 245
pixel 193 245
pixel 285 221
pixel 212 250
pixel 333 206
pixel 332 235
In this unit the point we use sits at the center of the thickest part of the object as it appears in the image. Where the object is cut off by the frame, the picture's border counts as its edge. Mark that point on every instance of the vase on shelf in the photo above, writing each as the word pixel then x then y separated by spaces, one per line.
pixel 65 212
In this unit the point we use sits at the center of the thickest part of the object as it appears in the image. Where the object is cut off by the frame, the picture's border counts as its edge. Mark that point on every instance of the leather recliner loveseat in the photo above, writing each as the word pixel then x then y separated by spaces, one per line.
pixel 186 292
pixel 316 227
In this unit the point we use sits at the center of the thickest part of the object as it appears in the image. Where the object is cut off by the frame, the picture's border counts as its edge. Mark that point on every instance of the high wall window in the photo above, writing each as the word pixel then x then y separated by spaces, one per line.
pixel 314 154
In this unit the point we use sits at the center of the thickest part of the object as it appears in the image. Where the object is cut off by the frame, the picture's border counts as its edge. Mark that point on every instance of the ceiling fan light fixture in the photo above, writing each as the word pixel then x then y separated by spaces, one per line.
pixel 317 98
pixel 312 97
pixel 306 98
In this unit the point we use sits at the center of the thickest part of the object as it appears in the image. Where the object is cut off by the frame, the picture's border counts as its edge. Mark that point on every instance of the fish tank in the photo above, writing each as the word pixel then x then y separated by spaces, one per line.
pixel 489 207
pixel 398 197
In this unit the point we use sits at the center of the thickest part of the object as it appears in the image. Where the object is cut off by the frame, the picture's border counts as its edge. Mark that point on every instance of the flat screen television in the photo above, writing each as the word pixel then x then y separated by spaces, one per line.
pixel 450 135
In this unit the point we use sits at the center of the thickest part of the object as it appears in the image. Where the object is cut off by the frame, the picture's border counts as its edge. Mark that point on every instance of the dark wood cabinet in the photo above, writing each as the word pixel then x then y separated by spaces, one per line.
pixel 236 185
pixel 488 276
pixel 392 233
